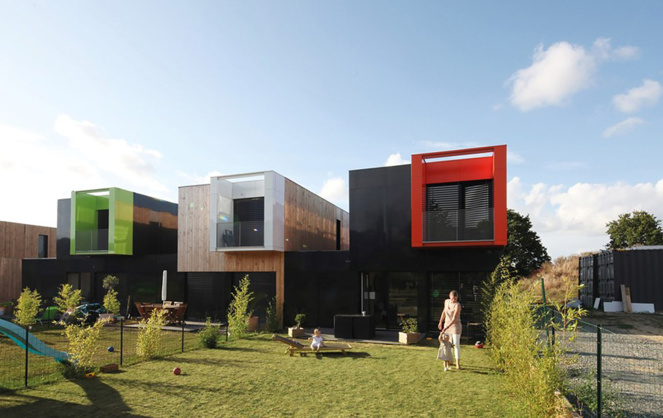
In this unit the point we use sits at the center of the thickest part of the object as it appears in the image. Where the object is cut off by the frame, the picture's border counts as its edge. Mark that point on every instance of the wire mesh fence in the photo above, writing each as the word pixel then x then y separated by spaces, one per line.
pixel 117 345
pixel 612 374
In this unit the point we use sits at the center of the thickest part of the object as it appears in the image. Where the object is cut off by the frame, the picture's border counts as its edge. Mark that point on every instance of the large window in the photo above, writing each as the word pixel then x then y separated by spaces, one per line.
pixel 459 211
pixel 248 226
pixel 42 249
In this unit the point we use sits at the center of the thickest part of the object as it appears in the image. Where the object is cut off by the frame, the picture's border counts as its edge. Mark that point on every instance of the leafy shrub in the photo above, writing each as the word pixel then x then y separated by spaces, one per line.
pixel 409 325
pixel 149 338
pixel 299 319
pixel 27 307
pixel 109 282
pixel 83 343
pixel 238 311
pixel 272 319
pixel 68 297
pixel 209 335
pixel 111 303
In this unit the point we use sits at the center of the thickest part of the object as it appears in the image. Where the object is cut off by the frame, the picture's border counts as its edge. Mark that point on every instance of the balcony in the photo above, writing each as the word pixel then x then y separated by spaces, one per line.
pixel 240 234
pixel 92 240
pixel 459 225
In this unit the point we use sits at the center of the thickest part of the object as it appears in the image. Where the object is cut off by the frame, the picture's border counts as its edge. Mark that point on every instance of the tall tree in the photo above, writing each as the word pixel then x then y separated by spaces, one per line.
pixel 637 228
pixel 524 253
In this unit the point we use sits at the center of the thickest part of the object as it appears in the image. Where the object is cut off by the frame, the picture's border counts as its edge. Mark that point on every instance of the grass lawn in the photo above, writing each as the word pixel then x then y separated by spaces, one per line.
pixel 255 378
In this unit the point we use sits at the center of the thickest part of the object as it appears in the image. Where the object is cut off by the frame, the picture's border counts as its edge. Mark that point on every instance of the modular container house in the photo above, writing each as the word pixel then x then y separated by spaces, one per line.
pixel 111 231
pixel 415 233
pixel 19 241
pixel 245 224
pixel 638 268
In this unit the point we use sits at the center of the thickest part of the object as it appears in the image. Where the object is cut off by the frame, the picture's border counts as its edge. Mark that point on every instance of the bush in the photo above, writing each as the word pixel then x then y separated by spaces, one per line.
pixel 83 343
pixel 68 297
pixel 272 319
pixel 149 339
pixel 409 325
pixel 238 311
pixel 299 319
pixel 531 365
pixel 111 303
pixel 27 307
pixel 209 335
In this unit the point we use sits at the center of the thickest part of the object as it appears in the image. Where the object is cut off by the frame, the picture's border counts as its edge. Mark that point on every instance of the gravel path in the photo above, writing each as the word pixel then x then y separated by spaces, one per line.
pixel 632 369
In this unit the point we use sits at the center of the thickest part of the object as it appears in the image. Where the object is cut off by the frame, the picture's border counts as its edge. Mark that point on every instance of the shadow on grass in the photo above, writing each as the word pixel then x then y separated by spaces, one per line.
pixel 104 401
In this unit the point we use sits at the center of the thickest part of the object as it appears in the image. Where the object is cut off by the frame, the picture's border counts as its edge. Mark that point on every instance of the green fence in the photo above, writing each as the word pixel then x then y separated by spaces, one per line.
pixel 612 374
pixel 117 345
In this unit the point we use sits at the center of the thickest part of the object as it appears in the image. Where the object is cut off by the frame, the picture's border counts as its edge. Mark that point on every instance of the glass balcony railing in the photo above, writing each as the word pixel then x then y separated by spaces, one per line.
pixel 92 240
pixel 240 234
pixel 459 225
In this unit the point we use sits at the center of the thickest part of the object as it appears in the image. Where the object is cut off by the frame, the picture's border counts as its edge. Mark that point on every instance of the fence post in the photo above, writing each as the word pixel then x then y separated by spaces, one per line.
pixel 121 339
pixel 599 338
pixel 545 311
pixel 27 334
pixel 182 336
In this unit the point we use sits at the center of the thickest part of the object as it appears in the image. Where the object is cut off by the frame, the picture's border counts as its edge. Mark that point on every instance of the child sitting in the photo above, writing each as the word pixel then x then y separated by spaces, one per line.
pixel 445 352
pixel 317 340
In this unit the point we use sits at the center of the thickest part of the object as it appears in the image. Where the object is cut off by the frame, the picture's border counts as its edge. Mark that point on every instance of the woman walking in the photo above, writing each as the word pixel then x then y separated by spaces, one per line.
pixel 450 323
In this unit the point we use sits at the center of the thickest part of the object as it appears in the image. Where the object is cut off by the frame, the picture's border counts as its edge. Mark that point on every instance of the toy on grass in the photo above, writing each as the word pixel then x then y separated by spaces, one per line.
pixel 111 349
pixel 89 375
pixel 177 371
pixel 478 344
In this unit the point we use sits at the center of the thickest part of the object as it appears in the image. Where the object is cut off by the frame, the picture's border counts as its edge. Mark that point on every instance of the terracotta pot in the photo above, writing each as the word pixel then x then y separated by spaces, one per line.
pixel 254 321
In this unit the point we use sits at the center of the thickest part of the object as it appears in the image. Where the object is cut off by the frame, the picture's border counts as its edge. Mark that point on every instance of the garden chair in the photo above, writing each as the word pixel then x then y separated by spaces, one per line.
pixel 295 346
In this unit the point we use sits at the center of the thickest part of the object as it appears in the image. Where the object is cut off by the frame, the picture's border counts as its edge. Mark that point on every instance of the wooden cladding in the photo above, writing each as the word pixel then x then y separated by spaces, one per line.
pixel 19 241
pixel 311 221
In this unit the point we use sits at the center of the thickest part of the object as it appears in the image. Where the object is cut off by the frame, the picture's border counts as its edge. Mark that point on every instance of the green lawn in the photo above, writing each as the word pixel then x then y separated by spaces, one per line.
pixel 254 378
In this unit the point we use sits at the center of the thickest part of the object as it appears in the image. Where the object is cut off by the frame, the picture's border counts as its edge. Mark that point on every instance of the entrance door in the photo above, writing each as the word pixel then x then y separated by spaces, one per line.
pixel 390 297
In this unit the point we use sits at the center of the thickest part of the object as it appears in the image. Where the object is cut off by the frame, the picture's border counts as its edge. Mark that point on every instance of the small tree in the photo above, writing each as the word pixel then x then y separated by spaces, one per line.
pixel 109 282
pixel 83 343
pixel 68 297
pixel 299 319
pixel 272 319
pixel 209 335
pixel 149 339
pixel 238 311
pixel 27 307
pixel 637 228
pixel 111 303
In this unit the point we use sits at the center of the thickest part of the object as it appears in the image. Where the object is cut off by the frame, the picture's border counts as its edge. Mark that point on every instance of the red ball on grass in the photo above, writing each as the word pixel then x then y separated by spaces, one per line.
pixel 177 370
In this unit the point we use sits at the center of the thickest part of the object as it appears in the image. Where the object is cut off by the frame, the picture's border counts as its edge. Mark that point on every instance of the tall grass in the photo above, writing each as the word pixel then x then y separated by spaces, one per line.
pixel 560 279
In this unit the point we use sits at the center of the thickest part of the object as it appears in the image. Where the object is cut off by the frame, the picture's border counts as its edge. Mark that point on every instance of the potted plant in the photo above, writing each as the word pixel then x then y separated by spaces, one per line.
pixel 6 307
pixel 410 333
pixel 297 330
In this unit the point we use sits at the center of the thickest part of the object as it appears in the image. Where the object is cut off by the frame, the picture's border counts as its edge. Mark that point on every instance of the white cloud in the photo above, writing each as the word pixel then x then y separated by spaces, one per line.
pixel 396 159
pixel 623 127
pixel 572 219
pixel 626 52
pixel 559 72
pixel 633 100
pixel 336 191
pixel 514 157
pixel 45 167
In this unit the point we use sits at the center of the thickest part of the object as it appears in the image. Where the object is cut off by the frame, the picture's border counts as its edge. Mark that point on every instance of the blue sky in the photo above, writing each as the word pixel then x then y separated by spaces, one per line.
pixel 153 95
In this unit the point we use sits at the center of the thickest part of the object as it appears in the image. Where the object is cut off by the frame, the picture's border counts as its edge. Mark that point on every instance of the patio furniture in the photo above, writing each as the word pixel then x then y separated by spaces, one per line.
pixel 295 346
pixel 174 310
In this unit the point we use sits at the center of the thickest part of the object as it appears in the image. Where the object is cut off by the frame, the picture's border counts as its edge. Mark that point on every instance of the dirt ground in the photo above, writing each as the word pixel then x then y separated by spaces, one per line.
pixel 645 325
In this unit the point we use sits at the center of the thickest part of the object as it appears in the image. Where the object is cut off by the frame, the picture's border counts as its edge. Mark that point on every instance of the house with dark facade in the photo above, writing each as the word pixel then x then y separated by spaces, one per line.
pixel 416 232
pixel 111 231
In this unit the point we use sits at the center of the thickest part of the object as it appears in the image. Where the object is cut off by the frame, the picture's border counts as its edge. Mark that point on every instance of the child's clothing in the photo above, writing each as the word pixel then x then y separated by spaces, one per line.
pixel 317 342
pixel 445 352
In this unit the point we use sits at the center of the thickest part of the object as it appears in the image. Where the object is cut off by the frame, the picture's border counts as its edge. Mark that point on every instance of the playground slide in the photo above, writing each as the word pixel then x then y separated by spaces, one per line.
pixel 35 345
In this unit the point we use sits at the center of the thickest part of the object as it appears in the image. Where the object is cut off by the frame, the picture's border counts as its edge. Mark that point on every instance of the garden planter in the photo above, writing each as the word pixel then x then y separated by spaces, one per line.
pixel 408 337
pixel 253 323
pixel 295 332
